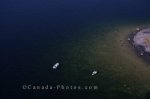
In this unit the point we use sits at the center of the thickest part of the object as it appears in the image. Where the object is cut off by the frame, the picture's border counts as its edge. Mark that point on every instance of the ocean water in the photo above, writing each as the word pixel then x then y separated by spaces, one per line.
pixel 80 34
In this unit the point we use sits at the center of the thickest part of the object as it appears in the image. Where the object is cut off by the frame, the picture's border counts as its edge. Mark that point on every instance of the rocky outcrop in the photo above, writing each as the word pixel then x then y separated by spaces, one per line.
pixel 140 40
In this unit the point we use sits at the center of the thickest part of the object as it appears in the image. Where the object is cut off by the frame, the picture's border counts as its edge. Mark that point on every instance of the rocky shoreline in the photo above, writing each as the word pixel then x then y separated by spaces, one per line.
pixel 140 49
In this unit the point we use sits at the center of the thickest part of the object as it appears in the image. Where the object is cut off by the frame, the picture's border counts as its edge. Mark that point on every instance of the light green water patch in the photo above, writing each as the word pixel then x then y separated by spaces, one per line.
pixel 107 50
pixel 101 47
pixel 126 67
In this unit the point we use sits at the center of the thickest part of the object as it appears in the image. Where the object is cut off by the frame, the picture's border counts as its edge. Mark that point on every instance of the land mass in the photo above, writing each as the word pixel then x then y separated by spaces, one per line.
pixel 140 40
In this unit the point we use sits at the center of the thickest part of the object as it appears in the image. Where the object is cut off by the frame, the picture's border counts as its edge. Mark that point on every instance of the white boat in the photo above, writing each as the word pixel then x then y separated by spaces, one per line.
pixel 94 72
pixel 55 65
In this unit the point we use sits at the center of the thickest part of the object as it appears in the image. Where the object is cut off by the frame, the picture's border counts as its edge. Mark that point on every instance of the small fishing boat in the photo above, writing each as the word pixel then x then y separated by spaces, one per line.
pixel 94 72
pixel 55 66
